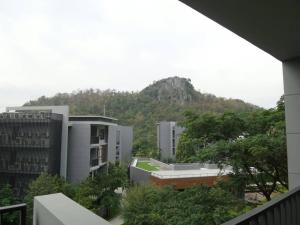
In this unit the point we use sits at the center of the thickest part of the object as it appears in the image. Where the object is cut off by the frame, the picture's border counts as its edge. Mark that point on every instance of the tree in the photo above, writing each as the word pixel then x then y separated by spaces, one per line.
pixel 99 193
pixel 261 159
pixel 166 206
pixel 7 198
pixel 187 148
pixel 206 129
pixel 254 144
pixel 139 206
pixel 43 185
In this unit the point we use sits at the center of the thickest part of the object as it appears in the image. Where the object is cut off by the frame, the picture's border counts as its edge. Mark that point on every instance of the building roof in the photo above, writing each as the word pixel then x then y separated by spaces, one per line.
pixel 203 172
pixel 92 118
pixel 273 26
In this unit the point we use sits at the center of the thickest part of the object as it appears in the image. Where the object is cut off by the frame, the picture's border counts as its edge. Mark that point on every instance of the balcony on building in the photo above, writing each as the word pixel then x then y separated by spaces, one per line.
pixel 99 135
pixel 98 157
pixel 55 209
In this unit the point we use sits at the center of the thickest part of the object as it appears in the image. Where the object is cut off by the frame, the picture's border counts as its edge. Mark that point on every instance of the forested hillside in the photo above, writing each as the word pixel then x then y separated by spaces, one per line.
pixel 165 99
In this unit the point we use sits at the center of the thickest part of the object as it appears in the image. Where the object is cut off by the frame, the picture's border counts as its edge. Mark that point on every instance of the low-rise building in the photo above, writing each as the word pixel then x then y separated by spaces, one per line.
pixel 178 175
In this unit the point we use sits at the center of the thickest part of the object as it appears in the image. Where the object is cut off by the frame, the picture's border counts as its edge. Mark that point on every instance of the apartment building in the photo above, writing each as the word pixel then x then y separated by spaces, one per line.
pixel 30 144
pixel 35 140
pixel 168 134
pixel 92 144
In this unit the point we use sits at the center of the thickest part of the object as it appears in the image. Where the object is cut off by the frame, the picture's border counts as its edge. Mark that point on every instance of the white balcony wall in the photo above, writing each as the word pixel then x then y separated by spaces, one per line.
pixel 57 209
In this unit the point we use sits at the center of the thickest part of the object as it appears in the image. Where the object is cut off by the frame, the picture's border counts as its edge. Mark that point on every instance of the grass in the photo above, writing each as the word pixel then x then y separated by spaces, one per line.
pixel 147 166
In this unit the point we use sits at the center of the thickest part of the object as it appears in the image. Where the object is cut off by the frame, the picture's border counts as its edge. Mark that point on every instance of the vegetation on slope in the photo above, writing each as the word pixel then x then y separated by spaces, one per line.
pixel 165 99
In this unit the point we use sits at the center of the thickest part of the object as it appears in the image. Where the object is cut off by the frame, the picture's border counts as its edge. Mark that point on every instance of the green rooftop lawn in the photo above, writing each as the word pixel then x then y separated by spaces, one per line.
pixel 147 166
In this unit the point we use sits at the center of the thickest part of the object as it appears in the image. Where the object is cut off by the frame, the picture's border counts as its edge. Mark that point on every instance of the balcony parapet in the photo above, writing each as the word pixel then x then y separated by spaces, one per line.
pixel 21 208
pixel 57 209
pixel 283 210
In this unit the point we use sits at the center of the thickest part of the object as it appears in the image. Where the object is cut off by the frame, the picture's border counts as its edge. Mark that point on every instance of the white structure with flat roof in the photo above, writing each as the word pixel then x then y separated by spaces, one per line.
pixel 201 172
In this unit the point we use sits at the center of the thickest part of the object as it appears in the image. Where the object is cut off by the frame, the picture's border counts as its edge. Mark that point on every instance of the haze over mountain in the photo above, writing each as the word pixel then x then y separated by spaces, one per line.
pixel 166 99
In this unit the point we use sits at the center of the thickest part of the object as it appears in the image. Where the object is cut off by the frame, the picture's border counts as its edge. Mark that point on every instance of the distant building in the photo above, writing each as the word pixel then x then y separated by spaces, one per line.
pixel 124 140
pixel 178 175
pixel 168 134
pixel 45 139
pixel 95 141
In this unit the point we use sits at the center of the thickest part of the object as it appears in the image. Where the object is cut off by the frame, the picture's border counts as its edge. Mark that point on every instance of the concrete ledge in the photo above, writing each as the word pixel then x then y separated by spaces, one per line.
pixel 58 209
pixel 139 176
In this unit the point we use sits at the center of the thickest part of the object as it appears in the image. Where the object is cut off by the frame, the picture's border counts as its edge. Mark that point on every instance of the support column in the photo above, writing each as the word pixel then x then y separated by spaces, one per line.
pixel 291 78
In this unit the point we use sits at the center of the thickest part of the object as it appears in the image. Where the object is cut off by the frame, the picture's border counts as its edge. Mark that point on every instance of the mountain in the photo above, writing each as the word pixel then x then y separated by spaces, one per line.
pixel 166 99
pixel 174 89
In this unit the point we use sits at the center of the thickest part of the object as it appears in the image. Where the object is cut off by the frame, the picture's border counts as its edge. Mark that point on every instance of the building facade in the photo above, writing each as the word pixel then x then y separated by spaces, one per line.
pixel 45 139
pixel 168 134
pixel 124 140
pixel 92 145
pixel 94 142
pixel 30 144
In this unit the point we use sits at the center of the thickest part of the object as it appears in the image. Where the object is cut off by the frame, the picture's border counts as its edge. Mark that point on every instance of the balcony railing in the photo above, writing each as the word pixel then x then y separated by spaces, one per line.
pixel 94 162
pixel 21 208
pixel 95 140
pixel 284 210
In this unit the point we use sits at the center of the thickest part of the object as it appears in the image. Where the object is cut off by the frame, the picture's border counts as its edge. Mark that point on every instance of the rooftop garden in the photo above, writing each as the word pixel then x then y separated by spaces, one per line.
pixel 146 165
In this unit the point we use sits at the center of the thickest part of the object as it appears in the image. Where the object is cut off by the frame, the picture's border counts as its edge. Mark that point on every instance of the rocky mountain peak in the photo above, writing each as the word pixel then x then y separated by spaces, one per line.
pixel 174 89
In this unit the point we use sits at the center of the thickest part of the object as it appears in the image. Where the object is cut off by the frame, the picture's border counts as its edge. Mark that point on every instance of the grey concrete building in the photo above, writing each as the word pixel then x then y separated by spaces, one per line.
pixel 168 134
pixel 124 140
pixel 37 139
pixel 92 144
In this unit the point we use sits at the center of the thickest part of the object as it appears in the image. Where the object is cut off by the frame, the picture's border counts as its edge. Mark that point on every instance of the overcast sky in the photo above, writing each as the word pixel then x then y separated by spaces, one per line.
pixel 50 46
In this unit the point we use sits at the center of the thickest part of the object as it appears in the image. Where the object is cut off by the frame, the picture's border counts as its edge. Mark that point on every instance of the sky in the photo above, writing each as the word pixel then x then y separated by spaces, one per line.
pixel 53 46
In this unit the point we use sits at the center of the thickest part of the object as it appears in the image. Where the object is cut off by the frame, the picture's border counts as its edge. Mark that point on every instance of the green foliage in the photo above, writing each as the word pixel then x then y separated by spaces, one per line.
pixel 254 144
pixel 202 130
pixel 166 99
pixel 165 206
pixel 98 193
pixel 147 166
pixel 7 198
pixel 43 185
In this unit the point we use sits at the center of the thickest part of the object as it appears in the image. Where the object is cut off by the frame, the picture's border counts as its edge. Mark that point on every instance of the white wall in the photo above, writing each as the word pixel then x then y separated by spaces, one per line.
pixel 291 75
pixel 57 209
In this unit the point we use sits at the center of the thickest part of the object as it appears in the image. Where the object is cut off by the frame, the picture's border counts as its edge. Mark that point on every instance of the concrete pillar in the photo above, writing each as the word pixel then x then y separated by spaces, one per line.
pixel 112 133
pixel 291 77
